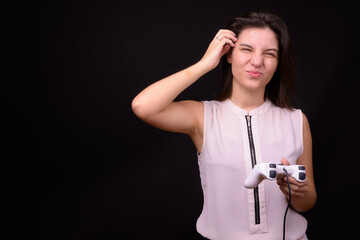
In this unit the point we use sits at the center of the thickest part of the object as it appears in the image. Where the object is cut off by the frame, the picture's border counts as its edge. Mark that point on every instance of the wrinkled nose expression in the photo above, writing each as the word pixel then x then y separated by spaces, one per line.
pixel 255 56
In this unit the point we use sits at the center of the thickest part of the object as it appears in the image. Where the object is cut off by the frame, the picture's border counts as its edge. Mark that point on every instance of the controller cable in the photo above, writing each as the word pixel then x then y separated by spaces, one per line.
pixel 289 202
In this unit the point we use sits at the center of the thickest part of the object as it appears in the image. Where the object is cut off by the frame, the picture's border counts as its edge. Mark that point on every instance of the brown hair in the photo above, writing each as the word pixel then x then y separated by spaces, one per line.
pixel 280 89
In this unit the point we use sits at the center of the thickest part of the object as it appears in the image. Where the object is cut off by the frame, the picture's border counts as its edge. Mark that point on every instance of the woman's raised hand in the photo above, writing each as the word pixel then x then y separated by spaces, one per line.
pixel 220 45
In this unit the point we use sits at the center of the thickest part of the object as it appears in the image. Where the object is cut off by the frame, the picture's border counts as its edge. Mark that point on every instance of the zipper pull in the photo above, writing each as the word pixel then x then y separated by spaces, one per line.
pixel 248 118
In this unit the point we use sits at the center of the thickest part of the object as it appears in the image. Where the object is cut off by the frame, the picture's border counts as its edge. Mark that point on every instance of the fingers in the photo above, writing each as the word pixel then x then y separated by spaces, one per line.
pixel 285 162
pixel 298 189
pixel 220 45
pixel 226 37
pixel 225 33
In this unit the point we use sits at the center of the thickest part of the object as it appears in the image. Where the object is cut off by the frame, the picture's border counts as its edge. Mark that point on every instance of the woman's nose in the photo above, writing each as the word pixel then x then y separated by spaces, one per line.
pixel 256 60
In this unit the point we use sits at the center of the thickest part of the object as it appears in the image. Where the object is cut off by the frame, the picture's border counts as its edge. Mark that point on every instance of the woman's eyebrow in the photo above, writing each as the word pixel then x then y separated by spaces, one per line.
pixel 272 49
pixel 245 45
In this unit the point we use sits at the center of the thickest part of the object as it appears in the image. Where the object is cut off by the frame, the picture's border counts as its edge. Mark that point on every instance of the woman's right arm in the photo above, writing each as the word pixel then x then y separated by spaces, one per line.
pixel 155 104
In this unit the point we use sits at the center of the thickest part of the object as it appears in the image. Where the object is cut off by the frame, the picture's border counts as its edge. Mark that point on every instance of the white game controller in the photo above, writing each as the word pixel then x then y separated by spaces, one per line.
pixel 273 171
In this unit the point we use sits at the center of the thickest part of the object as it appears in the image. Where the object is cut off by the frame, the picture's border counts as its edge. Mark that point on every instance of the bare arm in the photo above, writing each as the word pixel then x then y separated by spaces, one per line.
pixel 155 104
pixel 303 195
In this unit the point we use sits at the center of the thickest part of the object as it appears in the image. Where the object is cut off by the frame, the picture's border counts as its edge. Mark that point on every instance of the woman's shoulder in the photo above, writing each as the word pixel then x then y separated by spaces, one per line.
pixel 291 110
pixel 213 103
pixel 295 114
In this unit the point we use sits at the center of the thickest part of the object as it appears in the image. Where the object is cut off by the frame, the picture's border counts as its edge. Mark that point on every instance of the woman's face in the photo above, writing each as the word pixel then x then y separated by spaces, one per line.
pixel 254 59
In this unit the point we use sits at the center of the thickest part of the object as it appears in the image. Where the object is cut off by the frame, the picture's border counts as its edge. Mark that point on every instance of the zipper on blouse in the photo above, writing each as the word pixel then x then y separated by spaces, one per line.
pixel 253 163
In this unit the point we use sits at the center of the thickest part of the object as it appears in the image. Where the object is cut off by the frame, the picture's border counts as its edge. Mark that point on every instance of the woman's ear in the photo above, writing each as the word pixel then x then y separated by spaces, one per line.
pixel 229 56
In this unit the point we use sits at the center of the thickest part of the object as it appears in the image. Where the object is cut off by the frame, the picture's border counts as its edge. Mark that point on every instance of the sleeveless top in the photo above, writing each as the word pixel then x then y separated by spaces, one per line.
pixel 231 211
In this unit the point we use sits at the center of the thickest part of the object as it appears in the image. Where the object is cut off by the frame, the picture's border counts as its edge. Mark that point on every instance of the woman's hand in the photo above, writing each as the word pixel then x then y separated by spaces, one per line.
pixel 298 189
pixel 220 45
pixel 303 195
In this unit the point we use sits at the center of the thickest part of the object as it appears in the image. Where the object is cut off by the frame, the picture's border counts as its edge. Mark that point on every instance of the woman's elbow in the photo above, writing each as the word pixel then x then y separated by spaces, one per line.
pixel 138 108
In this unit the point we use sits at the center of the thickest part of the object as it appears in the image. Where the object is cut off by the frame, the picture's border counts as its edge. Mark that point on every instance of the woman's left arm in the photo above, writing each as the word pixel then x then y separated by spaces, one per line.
pixel 303 195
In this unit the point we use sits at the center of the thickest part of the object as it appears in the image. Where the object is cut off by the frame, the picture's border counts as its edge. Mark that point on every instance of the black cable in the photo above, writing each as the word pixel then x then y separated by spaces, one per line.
pixel 287 177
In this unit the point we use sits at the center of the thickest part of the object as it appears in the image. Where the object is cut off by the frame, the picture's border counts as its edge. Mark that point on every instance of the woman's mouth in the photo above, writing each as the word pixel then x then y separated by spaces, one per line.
pixel 254 74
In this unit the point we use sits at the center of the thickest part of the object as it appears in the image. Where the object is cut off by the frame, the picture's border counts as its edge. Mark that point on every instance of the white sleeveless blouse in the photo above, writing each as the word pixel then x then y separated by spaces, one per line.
pixel 230 211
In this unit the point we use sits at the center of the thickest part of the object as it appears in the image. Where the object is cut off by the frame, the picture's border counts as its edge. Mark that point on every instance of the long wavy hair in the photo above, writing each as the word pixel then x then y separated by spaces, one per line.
pixel 280 89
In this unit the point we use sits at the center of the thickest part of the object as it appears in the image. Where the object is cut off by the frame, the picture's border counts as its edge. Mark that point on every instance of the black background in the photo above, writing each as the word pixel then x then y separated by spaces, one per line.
pixel 77 164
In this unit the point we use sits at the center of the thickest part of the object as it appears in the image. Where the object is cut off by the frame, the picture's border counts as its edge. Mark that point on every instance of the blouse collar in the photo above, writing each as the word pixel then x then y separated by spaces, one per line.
pixel 257 111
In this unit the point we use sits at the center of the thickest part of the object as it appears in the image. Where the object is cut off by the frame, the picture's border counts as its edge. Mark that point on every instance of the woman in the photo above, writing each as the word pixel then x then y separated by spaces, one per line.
pixel 251 122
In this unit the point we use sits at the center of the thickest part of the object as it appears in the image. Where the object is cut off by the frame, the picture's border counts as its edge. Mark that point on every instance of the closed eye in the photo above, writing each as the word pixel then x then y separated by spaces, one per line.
pixel 246 49
pixel 271 54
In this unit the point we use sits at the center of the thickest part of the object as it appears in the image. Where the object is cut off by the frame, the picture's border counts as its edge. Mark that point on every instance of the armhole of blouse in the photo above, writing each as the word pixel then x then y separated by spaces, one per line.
pixel 204 130
pixel 301 132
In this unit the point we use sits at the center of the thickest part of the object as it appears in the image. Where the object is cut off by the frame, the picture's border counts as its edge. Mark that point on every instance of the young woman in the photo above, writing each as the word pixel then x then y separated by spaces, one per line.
pixel 251 122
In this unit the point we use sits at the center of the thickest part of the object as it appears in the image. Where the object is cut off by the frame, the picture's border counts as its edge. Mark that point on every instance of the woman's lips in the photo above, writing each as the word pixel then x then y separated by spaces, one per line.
pixel 254 74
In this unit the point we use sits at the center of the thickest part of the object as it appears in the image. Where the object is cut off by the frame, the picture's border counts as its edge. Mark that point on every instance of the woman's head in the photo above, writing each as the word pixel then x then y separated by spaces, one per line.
pixel 273 30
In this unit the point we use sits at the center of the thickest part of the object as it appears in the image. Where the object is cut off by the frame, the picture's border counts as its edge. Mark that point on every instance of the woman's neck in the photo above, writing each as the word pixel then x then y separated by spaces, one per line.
pixel 247 100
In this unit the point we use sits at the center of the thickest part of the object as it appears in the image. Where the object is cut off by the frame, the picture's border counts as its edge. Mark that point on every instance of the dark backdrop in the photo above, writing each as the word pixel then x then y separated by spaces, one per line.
pixel 77 164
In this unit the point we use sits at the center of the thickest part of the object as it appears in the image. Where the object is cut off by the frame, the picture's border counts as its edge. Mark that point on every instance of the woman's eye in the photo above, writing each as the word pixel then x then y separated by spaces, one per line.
pixel 246 49
pixel 270 54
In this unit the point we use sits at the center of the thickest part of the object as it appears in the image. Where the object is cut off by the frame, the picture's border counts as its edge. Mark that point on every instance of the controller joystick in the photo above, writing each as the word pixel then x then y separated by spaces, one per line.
pixel 273 171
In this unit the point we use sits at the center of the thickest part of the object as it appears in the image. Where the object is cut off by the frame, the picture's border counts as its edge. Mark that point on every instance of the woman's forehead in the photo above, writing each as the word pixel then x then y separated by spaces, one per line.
pixel 258 37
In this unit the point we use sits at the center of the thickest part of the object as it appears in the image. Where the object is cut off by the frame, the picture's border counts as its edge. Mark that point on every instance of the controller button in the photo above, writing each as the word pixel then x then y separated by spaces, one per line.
pixel 302 176
pixel 272 173
pixel 301 167
pixel 272 165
